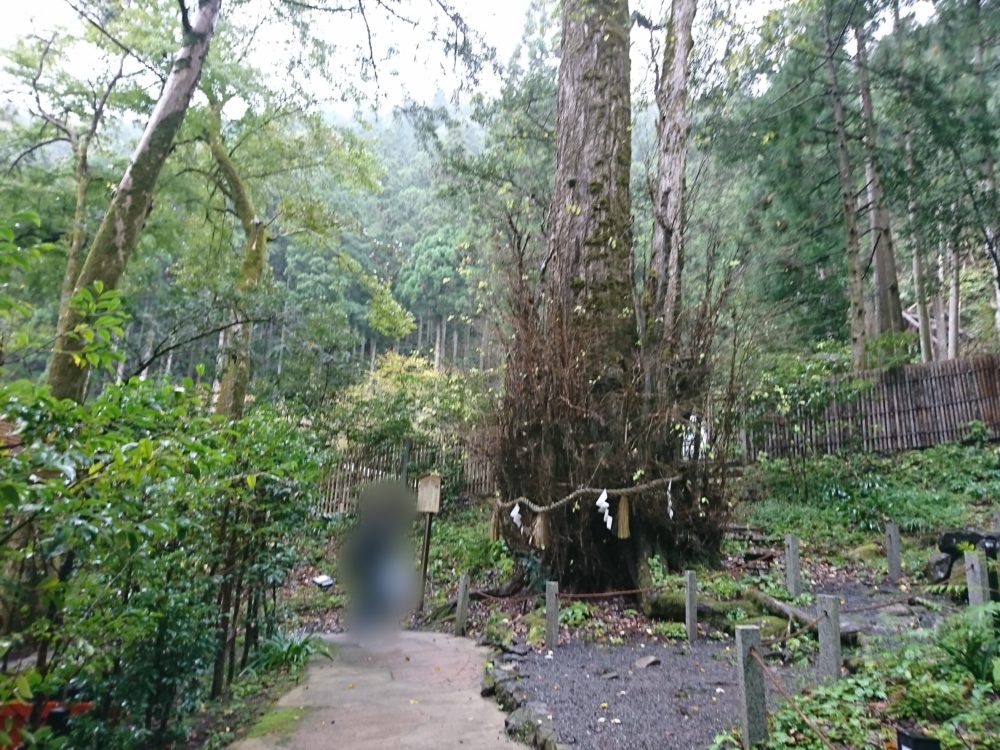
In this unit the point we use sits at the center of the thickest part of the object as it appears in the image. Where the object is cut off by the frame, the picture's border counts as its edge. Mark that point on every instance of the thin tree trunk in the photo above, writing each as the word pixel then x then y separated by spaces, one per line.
pixel 888 308
pixel 673 126
pixel 438 343
pixel 454 345
pixel 420 333
pixel 235 378
pixel 119 231
pixel 954 301
pixel 940 318
pixel 147 350
pixel 917 239
pixel 847 189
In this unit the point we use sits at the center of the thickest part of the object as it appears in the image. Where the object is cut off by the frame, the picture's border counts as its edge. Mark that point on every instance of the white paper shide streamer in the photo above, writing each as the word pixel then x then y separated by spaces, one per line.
pixel 602 505
pixel 515 516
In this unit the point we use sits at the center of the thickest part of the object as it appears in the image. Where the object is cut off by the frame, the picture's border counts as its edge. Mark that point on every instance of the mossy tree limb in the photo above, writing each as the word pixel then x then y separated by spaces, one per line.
pixel 122 225
pixel 235 377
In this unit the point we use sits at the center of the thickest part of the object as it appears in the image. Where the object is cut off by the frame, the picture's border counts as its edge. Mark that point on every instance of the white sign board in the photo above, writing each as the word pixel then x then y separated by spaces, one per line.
pixel 429 493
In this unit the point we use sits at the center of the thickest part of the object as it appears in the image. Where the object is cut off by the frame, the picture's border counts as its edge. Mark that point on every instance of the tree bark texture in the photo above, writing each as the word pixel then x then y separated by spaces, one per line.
pixel 845 172
pixel 954 296
pixel 673 126
pixel 590 240
pixel 888 308
pixel 235 377
pixel 119 231
pixel 917 241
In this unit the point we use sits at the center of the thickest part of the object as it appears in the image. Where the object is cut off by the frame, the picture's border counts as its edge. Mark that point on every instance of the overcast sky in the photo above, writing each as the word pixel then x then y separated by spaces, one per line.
pixel 501 23
pixel 415 73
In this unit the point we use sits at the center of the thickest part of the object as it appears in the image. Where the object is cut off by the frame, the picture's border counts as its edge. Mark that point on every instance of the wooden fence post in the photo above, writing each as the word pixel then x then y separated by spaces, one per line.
pixel 829 635
pixel 893 551
pixel 462 607
pixel 691 604
pixel 793 575
pixel 551 615
pixel 753 702
pixel 977 578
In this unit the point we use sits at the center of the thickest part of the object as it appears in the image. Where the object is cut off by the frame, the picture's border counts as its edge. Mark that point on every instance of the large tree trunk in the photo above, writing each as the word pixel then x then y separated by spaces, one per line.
pixel 987 136
pixel 235 378
pixel 590 239
pixel 673 125
pixel 888 309
pixel 122 224
pixel 571 368
pixel 855 286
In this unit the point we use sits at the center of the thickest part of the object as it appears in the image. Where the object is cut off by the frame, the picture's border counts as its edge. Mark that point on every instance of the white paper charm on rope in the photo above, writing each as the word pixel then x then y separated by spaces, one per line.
pixel 602 501
pixel 602 505
pixel 670 499
pixel 515 515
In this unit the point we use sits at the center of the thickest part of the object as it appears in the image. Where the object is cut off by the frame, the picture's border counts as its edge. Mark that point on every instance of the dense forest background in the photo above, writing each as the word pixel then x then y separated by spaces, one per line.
pixel 391 231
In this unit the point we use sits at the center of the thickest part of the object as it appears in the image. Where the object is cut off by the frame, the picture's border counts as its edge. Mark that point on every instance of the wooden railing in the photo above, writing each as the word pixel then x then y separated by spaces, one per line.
pixel 915 406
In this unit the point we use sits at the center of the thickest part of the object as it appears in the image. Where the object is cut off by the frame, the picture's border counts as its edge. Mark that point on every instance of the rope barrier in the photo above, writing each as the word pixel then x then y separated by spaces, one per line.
pixel 578 493
pixel 789 700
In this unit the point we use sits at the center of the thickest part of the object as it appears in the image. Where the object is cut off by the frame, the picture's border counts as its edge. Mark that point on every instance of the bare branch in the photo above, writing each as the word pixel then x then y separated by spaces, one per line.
pixel 99 106
pixel 33 148
pixel 164 348
pixel 321 8
pixel 394 13
pixel 55 122
pixel 640 20
pixel 371 48
pixel 115 41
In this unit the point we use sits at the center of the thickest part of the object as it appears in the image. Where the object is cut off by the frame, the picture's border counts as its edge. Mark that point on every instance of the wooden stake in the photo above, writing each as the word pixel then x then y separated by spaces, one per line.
pixel 424 558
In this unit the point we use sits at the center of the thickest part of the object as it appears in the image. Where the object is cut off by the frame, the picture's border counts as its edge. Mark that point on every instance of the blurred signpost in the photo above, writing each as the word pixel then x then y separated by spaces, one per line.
pixel 428 503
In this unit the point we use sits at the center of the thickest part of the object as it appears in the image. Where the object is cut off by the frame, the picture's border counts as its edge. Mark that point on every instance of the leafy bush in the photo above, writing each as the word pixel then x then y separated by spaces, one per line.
pixel 947 684
pixel 674 631
pixel 137 528
pixel 461 544
pixel 575 614
pixel 405 398
pixel 287 653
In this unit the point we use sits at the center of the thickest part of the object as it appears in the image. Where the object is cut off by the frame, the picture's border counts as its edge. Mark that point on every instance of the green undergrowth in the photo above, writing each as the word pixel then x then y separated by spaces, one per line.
pixel 848 499
pixel 946 682
pixel 460 543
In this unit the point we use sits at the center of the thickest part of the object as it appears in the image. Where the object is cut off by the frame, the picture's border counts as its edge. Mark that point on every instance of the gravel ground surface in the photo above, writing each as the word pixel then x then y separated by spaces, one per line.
pixel 599 698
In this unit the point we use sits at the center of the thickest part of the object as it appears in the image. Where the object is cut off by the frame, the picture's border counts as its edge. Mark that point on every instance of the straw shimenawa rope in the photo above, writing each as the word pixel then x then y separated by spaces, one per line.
pixel 582 491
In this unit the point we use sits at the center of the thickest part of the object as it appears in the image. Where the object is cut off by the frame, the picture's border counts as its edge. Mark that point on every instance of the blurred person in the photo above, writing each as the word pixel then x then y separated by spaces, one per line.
pixel 377 561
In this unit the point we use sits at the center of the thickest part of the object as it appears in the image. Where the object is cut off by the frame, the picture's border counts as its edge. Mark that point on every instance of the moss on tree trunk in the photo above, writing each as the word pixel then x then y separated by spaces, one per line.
pixel 122 225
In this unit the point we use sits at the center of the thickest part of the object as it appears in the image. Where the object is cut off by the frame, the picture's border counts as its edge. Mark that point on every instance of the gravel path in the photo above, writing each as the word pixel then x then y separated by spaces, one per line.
pixel 599 698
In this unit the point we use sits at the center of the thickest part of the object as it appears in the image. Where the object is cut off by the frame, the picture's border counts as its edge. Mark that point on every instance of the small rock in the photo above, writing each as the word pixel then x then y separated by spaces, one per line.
pixel 647 661
pixel 937 567
pixel 520 721
pixel 518 649
pixel 488 687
